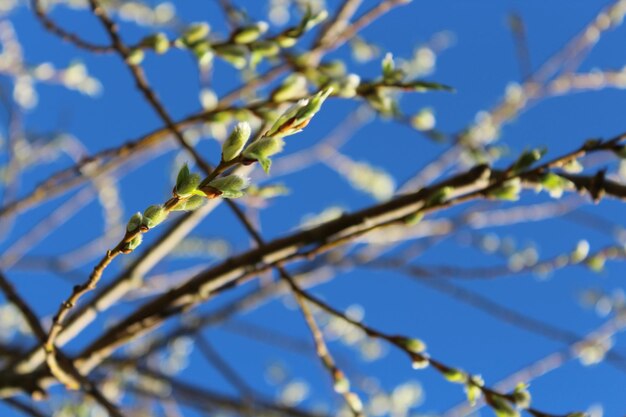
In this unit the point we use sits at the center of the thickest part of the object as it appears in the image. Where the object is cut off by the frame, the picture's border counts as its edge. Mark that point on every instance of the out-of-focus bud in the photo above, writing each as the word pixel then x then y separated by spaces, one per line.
pixel 527 158
pixel 135 57
pixel 424 120
pixel 195 32
pixel 265 48
pixel 202 50
pixel 455 375
pixel 250 34
pixel 348 85
pixel 555 184
pixel 502 407
pixel 341 383
pixel 412 345
pixel 236 55
pixel 508 191
pixel 292 87
pixel 158 42
pixel 473 389
pixel 521 396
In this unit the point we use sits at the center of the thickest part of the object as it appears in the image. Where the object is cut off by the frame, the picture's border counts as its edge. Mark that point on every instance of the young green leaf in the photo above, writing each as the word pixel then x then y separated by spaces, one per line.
pixel 261 149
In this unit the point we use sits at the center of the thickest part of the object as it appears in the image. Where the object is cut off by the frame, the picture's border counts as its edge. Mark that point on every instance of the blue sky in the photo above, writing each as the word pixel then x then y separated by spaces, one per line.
pixel 479 65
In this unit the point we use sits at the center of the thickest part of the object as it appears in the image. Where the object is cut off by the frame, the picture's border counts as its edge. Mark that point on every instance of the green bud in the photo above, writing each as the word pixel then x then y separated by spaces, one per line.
pixel 186 182
pixel 555 184
pixel 154 215
pixel 158 42
pixel 286 121
pixel 412 345
pixel 383 102
pixel 286 39
pixel 289 37
pixel 413 219
pixel 232 147
pixel 230 186
pixel 250 33
pixel 299 115
pixel 135 57
pixel 424 120
pixel 439 196
pixel 312 20
pixel 573 166
pixel 265 48
pixel 189 204
pixel 502 407
pixel 347 86
pixel 261 149
pixel 314 105
pixel 134 223
pixel 508 191
pixel 202 51
pixel 472 389
pixel 221 116
pixel 578 414
pixel 236 55
pixel 455 375
pixel 195 32
pixel 389 66
pixel 133 244
pixel 334 68
pixel 596 263
pixel 528 158
pixel 521 396
pixel 292 87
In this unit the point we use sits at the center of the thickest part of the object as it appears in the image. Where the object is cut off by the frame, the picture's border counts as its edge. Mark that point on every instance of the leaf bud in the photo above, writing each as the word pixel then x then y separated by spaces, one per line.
pixel 230 186
pixel 133 244
pixel 250 34
pixel 154 215
pixel 158 42
pixel 195 32
pixel 134 223
pixel 232 147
